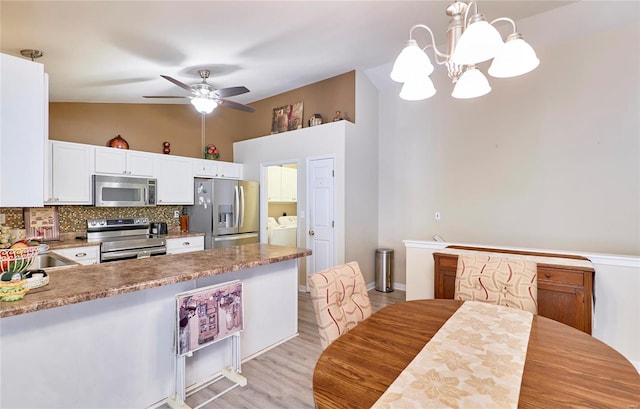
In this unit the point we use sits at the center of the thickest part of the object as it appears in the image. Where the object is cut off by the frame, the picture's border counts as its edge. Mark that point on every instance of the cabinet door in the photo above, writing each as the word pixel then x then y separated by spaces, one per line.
pixel 289 184
pixel 205 168
pixel 140 163
pixel 70 173
pixel 175 180
pixel 230 170
pixel 23 132
pixel 110 161
pixel 274 183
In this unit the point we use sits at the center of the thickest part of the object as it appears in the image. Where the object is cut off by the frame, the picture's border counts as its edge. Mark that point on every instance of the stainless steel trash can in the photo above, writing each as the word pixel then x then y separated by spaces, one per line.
pixel 384 270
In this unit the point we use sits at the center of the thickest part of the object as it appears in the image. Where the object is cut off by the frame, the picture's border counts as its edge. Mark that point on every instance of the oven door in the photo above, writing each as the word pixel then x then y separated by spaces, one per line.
pixel 115 191
pixel 131 247
pixel 132 253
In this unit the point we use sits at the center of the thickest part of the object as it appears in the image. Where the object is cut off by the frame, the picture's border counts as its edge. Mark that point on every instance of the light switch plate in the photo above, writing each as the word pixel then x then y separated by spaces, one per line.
pixel 3 219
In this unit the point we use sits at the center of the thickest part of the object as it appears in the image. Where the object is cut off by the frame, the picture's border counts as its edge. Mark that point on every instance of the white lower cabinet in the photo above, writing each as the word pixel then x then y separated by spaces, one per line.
pixel 185 244
pixel 84 255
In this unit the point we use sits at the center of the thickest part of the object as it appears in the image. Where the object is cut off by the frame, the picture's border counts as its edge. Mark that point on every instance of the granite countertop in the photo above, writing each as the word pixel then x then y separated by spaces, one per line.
pixel 70 240
pixel 84 283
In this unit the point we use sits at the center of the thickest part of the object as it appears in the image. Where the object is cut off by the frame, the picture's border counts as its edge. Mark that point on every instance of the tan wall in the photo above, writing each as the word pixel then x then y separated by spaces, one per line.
pixel 146 126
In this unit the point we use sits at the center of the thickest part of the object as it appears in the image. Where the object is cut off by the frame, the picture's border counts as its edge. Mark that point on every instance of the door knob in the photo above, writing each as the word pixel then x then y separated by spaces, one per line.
pixel 312 233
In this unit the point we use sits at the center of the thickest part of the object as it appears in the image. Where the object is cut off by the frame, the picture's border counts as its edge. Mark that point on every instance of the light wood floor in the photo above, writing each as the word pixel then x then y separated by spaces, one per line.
pixel 281 378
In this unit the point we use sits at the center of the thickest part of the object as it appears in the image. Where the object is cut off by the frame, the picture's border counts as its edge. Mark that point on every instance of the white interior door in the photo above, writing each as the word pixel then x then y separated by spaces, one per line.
pixel 321 210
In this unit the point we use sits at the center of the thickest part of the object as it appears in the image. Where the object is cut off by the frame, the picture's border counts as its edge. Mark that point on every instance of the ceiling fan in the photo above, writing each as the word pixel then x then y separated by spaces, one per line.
pixel 205 97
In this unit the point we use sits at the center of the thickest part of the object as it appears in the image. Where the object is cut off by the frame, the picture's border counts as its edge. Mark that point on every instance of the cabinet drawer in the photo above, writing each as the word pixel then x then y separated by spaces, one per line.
pixel 82 255
pixel 556 275
pixel 185 245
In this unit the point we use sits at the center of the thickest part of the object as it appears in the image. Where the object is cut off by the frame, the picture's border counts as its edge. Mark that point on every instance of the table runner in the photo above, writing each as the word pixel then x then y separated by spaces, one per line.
pixel 474 361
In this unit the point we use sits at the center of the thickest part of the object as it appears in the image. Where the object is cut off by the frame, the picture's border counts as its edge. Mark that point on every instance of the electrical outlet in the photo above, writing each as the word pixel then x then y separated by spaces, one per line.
pixel 176 214
pixel 3 219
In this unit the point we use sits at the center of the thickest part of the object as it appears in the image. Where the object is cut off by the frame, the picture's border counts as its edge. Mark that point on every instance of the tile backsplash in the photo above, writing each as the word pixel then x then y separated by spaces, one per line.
pixel 73 218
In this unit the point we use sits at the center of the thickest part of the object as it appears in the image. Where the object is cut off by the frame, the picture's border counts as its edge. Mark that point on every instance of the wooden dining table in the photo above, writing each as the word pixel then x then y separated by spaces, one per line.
pixel 564 367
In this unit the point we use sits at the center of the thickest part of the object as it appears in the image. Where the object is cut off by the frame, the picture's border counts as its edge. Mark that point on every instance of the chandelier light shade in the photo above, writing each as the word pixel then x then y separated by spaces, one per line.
pixel 417 89
pixel 471 84
pixel 478 43
pixel 470 40
pixel 204 105
pixel 412 62
pixel 516 57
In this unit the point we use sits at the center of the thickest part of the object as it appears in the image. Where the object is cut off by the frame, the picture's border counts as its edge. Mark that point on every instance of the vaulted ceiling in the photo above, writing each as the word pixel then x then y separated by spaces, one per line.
pixel 115 51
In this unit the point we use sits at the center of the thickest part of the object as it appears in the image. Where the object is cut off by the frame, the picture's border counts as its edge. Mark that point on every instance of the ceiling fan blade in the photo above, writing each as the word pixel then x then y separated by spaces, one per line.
pixel 161 96
pixel 178 83
pixel 230 104
pixel 231 91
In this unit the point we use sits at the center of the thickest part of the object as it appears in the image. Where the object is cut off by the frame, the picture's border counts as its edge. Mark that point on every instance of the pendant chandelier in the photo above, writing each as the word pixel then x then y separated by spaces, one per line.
pixel 470 41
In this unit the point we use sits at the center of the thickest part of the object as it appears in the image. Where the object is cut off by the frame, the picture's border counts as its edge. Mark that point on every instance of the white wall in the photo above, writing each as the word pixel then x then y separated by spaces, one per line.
pixel 296 146
pixel 355 147
pixel 361 192
pixel 549 160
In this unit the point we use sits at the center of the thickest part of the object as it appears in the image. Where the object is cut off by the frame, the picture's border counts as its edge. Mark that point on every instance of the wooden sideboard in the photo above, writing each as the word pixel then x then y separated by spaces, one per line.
pixel 565 289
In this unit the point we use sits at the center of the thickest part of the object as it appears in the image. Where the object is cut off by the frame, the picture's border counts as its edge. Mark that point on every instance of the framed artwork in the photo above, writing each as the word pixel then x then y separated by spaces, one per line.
pixel 287 118
pixel 207 315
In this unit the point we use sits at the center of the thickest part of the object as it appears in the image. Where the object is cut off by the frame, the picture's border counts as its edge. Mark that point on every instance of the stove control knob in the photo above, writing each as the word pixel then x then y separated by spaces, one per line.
pixel 92 222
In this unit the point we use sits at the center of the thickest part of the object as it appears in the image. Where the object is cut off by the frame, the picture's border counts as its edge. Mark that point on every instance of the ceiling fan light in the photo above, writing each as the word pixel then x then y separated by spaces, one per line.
pixel 471 84
pixel 516 57
pixel 417 89
pixel 479 42
pixel 411 62
pixel 204 105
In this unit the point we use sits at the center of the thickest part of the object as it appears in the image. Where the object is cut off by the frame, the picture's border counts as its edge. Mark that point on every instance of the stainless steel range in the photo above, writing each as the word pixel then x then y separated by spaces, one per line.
pixel 122 239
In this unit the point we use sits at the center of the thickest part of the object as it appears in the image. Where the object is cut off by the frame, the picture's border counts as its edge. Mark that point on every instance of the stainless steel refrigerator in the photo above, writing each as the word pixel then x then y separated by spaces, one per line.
pixel 227 211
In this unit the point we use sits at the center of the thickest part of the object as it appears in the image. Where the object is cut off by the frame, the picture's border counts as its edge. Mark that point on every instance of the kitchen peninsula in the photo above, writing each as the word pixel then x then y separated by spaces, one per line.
pixel 103 335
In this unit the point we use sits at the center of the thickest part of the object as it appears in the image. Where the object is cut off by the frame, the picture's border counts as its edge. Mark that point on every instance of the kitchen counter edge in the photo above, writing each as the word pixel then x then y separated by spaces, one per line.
pixel 85 283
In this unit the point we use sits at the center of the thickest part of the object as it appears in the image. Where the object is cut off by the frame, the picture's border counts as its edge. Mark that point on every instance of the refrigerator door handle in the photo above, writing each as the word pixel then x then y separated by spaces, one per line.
pixel 236 200
pixel 241 206
pixel 236 237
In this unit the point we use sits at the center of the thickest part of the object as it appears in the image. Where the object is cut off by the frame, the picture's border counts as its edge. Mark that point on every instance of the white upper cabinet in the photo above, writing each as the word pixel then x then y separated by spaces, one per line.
pixel 206 168
pixel 175 180
pixel 23 131
pixel 282 184
pixel 123 162
pixel 274 183
pixel 230 170
pixel 289 184
pixel 68 173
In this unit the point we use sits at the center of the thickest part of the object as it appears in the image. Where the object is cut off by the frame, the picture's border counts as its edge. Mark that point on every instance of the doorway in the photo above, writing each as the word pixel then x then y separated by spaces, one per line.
pixel 282 204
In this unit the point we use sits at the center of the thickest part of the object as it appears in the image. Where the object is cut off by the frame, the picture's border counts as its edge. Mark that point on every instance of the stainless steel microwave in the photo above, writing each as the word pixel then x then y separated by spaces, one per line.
pixel 121 191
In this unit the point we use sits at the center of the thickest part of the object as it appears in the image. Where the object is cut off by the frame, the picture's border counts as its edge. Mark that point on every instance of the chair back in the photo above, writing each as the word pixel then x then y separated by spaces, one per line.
pixel 510 282
pixel 340 300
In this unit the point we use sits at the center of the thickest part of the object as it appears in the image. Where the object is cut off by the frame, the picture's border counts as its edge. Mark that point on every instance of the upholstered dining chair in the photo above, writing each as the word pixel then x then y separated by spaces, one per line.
pixel 510 282
pixel 340 300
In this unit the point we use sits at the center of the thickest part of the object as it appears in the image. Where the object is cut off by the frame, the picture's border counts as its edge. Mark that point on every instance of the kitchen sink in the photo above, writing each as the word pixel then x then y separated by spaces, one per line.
pixel 50 260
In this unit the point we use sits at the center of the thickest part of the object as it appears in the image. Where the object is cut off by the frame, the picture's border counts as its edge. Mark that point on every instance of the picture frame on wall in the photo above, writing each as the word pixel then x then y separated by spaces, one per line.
pixel 287 118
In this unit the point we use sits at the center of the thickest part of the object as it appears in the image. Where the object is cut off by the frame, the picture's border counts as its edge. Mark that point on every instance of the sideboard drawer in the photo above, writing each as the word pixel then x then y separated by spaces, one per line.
pixel 559 275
